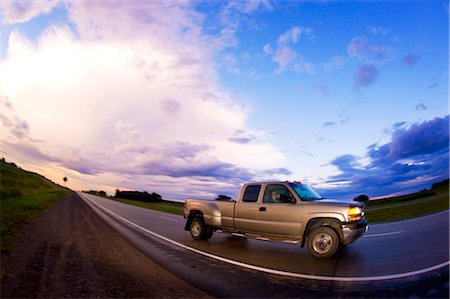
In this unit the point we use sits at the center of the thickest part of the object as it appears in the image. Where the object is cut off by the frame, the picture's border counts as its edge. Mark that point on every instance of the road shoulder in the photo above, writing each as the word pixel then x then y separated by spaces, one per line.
pixel 71 252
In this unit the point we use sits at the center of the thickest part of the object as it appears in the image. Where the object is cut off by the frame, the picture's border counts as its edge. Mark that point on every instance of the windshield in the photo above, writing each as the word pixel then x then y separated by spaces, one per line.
pixel 306 193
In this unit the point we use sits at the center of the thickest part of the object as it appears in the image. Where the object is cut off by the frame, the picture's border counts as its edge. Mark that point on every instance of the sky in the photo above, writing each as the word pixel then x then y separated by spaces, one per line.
pixel 194 98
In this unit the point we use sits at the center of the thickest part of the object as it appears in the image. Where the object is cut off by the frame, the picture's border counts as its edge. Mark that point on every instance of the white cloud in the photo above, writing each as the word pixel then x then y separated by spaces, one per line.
pixel 285 55
pixel 268 49
pixel 133 94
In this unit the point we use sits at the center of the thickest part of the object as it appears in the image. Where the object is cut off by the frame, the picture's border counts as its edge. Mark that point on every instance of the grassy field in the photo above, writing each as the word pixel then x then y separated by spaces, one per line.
pixel 23 197
pixel 408 206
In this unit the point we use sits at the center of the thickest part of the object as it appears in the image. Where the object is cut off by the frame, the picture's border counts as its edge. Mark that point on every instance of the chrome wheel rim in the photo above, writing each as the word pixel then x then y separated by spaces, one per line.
pixel 322 243
pixel 195 228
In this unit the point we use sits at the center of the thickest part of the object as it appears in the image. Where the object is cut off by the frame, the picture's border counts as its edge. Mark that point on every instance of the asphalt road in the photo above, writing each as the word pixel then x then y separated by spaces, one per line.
pixel 393 252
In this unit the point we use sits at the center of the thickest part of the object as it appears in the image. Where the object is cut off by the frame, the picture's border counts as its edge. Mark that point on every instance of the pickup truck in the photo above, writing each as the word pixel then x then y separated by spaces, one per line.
pixel 279 211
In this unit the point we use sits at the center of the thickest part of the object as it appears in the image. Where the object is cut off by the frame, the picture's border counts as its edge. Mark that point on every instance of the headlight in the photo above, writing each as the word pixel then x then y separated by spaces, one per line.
pixel 355 213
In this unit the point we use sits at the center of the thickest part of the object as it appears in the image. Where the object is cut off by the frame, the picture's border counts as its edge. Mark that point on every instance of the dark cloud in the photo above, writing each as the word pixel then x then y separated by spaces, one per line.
pixel 194 168
pixel 410 60
pixel 192 160
pixel 415 157
pixel 83 166
pixel 421 107
pixel 345 162
pixel 365 75
pixel 420 139
pixel 329 124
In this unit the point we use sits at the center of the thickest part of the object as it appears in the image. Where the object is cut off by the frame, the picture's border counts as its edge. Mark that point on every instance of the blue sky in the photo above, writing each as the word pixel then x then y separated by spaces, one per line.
pixel 195 98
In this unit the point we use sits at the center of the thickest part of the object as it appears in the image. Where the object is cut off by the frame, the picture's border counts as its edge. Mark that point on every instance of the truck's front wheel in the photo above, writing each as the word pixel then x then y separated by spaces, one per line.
pixel 199 230
pixel 323 242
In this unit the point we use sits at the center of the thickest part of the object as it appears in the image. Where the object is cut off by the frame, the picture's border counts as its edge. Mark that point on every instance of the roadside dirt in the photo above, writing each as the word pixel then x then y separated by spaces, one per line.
pixel 70 252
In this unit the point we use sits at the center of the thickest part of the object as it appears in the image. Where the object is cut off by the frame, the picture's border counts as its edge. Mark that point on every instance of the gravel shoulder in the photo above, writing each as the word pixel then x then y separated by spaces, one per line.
pixel 70 252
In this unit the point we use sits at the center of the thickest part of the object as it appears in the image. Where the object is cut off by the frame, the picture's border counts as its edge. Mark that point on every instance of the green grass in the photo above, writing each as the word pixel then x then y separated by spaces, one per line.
pixel 165 206
pixel 409 206
pixel 23 197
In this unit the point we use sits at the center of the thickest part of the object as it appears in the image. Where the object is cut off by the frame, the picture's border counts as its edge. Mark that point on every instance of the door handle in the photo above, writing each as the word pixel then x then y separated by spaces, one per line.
pixel 263 209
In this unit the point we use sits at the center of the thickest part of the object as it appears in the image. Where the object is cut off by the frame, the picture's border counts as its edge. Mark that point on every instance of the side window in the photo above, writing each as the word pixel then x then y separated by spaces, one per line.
pixel 251 193
pixel 277 193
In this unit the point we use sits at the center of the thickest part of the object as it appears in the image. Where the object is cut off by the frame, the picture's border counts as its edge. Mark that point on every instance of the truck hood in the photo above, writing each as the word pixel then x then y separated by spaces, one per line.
pixel 340 202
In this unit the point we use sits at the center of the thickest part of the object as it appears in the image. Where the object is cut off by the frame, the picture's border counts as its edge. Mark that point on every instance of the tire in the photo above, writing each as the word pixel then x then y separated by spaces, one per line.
pixel 323 242
pixel 209 233
pixel 199 230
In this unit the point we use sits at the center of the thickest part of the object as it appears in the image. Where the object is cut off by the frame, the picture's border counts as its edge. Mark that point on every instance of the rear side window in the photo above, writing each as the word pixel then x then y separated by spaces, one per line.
pixel 251 193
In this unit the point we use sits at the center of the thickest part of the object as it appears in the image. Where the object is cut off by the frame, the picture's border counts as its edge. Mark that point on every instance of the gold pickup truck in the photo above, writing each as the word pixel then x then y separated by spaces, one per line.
pixel 279 211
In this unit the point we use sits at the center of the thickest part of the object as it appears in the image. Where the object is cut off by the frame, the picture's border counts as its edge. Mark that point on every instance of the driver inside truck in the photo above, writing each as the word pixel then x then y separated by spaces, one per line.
pixel 275 196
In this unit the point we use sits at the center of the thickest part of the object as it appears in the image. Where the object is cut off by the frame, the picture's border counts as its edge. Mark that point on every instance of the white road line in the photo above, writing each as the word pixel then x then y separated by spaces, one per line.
pixel 273 271
pixel 383 234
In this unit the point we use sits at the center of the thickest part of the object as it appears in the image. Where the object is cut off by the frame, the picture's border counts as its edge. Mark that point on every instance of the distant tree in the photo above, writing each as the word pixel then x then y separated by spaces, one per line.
pixel 223 197
pixel 440 184
pixel 139 196
pixel 361 198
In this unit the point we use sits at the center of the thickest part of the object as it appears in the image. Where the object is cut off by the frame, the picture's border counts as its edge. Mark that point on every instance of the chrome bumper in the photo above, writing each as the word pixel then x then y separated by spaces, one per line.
pixel 352 231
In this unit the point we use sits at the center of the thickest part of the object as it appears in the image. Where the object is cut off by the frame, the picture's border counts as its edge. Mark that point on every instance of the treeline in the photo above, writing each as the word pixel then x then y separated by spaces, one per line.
pixel 444 183
pixel 138 196
pixel 416 195
pixel 98 193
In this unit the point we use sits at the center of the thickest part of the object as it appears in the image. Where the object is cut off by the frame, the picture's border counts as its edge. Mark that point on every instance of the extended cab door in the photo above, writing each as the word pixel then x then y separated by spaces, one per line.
pixel 246 209
pixel 278 212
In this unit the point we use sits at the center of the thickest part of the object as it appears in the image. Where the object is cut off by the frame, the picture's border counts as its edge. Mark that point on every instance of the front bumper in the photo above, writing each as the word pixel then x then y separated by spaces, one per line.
pixel 353 230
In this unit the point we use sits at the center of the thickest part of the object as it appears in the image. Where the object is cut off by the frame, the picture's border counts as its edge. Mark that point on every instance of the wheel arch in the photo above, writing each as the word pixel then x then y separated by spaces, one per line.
pixel 331 222
pixel 193 214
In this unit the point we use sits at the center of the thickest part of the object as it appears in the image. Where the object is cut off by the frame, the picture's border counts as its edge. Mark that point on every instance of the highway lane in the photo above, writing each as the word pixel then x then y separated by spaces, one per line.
pixel 387 251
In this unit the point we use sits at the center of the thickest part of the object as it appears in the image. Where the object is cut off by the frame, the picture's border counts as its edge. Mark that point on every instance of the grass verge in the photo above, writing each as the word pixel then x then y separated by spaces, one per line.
pixel 394 211
pixel 23 197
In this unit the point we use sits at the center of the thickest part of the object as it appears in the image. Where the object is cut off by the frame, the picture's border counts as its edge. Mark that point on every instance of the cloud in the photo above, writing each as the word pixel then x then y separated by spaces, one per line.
pixel 329 124
pixel 414 158
pixel 421 107
pixel 410 60
pixel 17 127
pixel 268 49
pixel 120 99
pixel 232 15
pixel 334 63
pixel 362 48
pixel 22 11
pixel 379 30
pixel 365 75
pixel 285 55
pixel 323 89
pixel 293 35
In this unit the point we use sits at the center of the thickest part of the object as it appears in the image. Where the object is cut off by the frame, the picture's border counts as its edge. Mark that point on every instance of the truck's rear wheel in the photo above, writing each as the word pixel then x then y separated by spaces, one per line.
pixel 199 230
pixel 323 242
